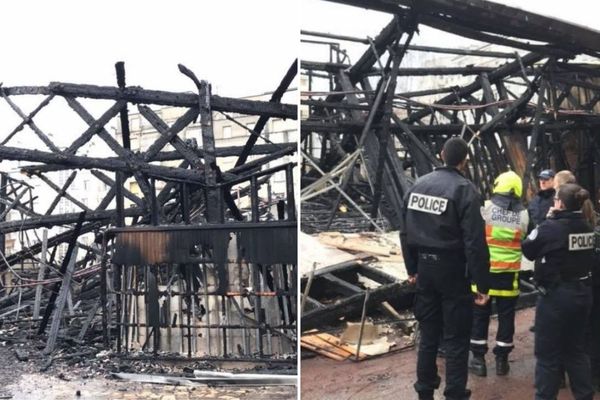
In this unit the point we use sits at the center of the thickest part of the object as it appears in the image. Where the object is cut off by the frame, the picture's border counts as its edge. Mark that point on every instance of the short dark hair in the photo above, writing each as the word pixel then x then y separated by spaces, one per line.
pixel 455 151
pixel 572 196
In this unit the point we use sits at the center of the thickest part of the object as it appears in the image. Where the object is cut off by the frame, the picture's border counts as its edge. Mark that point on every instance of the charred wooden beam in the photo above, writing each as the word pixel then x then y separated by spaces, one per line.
pixel 31 251
pixel 111 183
pixel 17 154
pixel 353 304
pixel 421 71
pixel 169 135
pixel 63 269
pixel 63 219
pixel 262 121
pixel 448 129
pixel 284 151
pixel 137 95
pixel 498 73
pixel 124 113
pixel 62 192
pixel 384 133
pixel 95 126
pixel 230 151
pixel 133 161
pixel 388 35
pixel 494 18
pixel 26 120
pixel 3 190
pixel 414 47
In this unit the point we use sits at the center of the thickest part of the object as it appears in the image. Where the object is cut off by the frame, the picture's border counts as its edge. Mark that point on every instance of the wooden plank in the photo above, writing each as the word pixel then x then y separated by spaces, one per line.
pixel 360 244
pixel 41 274
pixel 61 302
pixel 326 346
pixel 323 352
pixel 330 344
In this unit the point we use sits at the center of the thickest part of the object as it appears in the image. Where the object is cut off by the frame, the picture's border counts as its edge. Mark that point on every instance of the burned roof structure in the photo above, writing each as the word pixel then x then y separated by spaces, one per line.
pixel 186 268
pixel 365 139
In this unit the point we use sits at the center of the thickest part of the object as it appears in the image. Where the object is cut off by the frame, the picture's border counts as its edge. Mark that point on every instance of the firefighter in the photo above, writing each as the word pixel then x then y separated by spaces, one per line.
pixel 563 250
pixel 506 222
pixel 443 242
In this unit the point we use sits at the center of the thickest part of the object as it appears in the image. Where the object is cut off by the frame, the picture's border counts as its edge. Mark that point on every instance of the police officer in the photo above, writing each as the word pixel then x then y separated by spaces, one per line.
pixel 542 201
pixel 563 250
pixel 594 332
pixel 443 243
pixel 506 222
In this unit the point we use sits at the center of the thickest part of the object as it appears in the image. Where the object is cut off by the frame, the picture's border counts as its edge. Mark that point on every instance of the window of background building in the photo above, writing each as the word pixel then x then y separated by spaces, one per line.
pixel 226 132
pixel 134 123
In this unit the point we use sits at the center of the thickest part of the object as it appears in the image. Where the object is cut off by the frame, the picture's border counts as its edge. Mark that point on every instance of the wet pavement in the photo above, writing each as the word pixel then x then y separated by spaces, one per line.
pixel 24 381
pixel 44 387
pixel 392 376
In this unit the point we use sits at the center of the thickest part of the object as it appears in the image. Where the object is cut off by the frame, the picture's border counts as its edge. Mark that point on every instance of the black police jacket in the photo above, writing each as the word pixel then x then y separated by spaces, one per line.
pixel 596 267
pixel 539 206
pixel 442 212
pixel 562 247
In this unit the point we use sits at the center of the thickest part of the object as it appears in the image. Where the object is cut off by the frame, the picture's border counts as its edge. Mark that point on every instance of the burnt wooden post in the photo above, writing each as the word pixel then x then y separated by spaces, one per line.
pixel 123 114
pixel 386 116
pixel 210 159
pixel 262 121
pixel 61 301
pixel 63 270
pixel 120 222
pixel 185 203
pixel 154 212
pixel 103 293
pixel 3 190
pixel 291 201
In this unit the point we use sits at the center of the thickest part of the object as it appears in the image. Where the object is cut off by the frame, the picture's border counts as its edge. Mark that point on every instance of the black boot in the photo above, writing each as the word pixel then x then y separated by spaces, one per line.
pixel 502 366
pixel 477 365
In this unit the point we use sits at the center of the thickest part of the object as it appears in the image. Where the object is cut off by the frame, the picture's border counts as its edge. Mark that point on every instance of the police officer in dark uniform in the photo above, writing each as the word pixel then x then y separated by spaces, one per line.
pixel 444 248
pixel 563 250
pixel 594 331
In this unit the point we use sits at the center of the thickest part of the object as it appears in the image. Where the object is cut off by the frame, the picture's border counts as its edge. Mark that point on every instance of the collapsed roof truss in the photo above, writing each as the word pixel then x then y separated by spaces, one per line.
pixel 534 110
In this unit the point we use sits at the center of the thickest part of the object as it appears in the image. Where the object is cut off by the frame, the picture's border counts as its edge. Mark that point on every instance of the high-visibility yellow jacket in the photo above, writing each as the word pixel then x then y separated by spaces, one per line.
pixel 506 223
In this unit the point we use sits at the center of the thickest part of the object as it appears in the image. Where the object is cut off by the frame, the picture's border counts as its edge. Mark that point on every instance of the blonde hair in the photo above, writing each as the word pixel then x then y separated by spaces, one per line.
pixel 562 177
pixel 566 177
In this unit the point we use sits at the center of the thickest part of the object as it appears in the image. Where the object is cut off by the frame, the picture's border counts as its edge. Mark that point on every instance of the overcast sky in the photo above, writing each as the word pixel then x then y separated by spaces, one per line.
pixel 242 47
pixel 325 16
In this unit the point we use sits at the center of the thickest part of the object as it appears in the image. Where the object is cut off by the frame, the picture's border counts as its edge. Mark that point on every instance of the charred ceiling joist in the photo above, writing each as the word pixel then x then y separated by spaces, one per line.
pixel 532 105
pixel 187 266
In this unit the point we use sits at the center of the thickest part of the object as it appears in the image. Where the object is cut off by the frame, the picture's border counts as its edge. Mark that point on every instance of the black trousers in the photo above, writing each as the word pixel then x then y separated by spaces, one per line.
pixel 506 326
pixel 594 334
pixel 560 325
pixel 443 304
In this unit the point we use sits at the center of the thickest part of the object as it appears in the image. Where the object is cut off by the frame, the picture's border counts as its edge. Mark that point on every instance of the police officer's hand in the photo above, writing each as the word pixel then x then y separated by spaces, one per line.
pixel 481 299
pixel 412 279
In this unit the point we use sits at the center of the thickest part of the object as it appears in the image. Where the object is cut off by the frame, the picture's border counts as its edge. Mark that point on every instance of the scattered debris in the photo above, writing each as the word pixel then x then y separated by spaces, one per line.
pixel 329 346
pixel 364 242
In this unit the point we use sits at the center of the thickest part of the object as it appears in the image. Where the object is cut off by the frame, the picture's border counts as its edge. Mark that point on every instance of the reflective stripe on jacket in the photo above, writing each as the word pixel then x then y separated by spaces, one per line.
pixel 504 230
